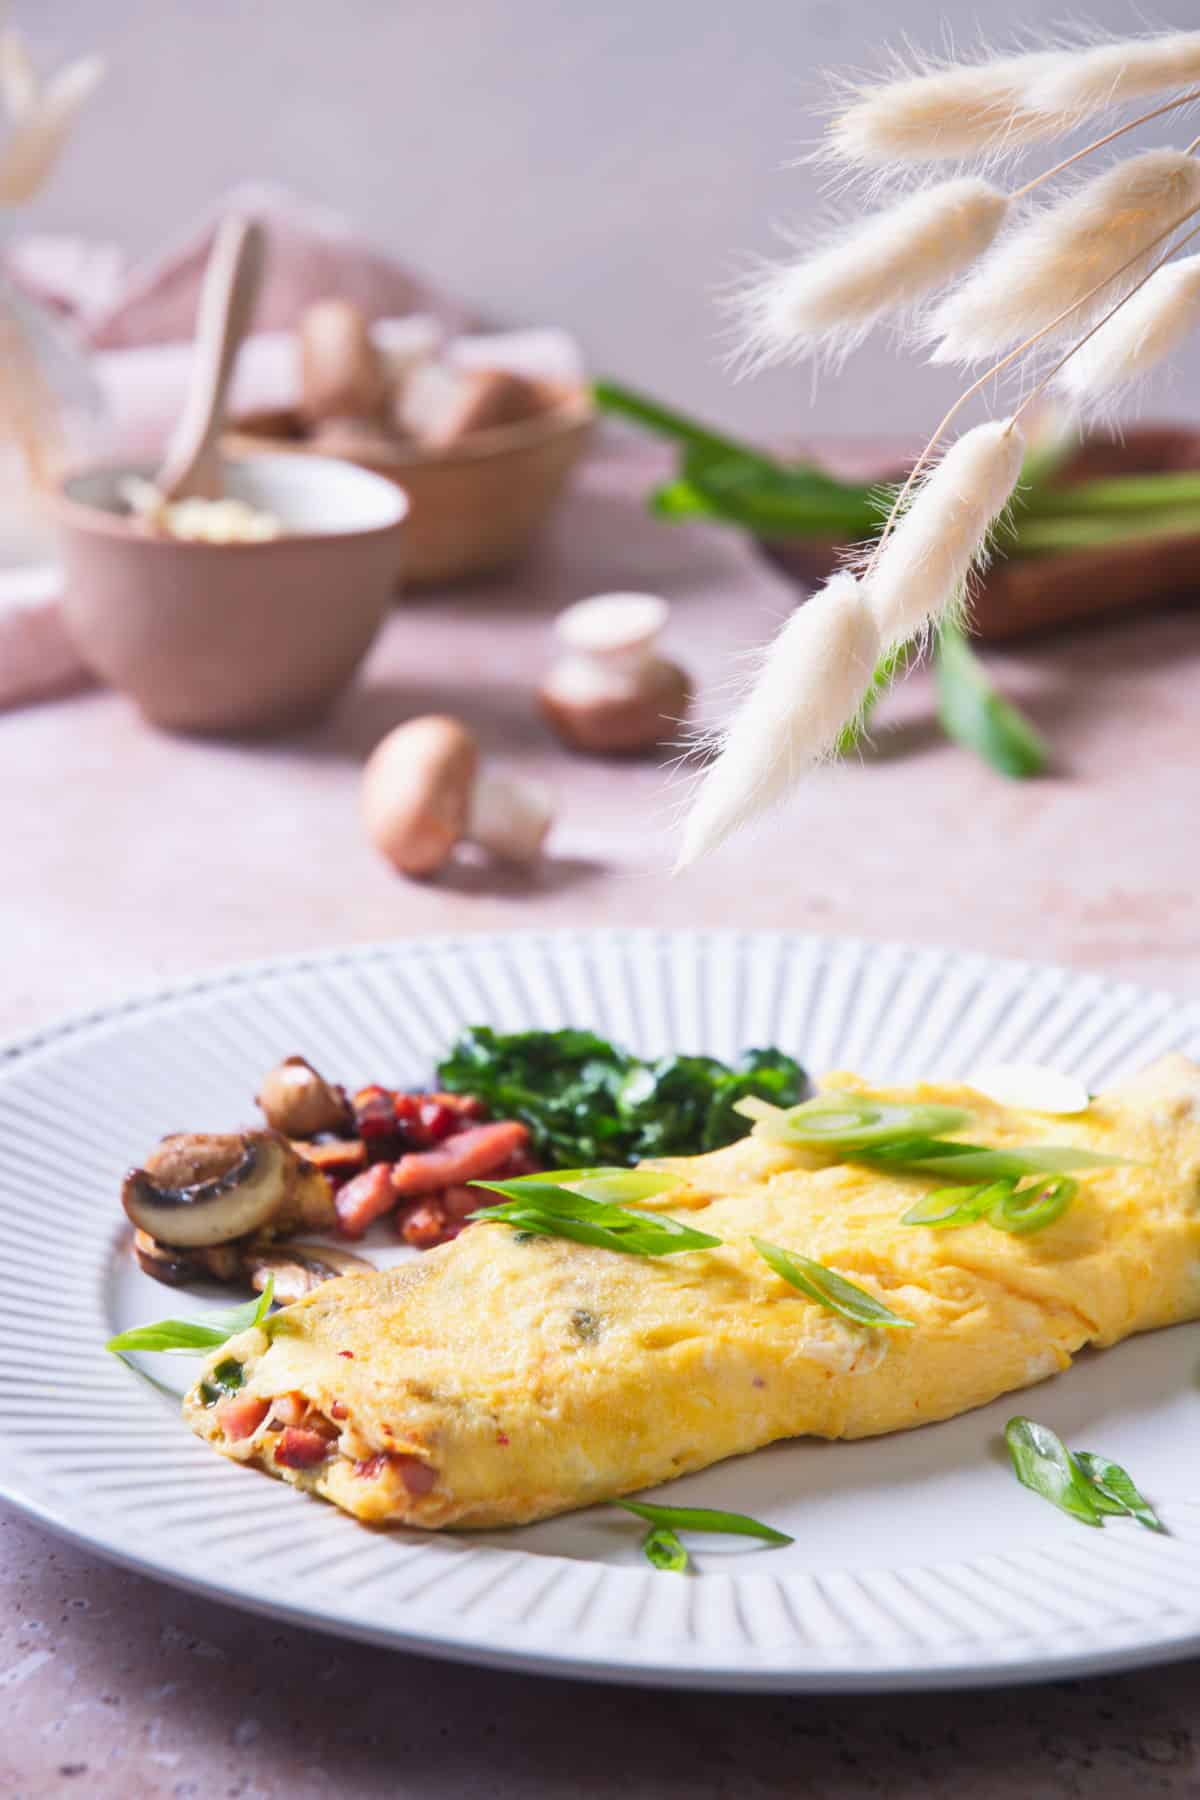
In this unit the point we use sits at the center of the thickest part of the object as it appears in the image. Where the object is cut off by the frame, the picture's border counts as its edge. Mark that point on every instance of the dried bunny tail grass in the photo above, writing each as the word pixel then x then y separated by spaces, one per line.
pixel 810 683
pixel 1109 74
pixel 42 128
pixel 884 264
pixel 920 567
pixel 945 110
pixel 18 82
pixel 1150 324
pixel 1071 258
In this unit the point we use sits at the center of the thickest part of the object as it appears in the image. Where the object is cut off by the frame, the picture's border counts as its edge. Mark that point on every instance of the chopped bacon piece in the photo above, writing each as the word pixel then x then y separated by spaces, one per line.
pixel 479 1150
pixel 339 1159
pixel 416 1475
pixel 438 1121
pixel 467 1106
pixel 338 1409
pixel 300 1449
pixel 289 1409
pixel 426 1119
pixel 364 1199
pixel 240 1416
pixel 425 1225
pixel 375 1112
pixel 457 1202
pixel 370 1466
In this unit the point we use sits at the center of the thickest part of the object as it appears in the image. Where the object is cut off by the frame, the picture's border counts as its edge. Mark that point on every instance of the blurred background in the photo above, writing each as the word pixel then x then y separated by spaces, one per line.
pixel 606 168
pixel 468 214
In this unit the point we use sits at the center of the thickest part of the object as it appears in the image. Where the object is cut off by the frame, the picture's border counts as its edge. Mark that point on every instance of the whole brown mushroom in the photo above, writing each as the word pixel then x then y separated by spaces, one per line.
pixel 301 1103
pixel 342 374
pixel 611 692
pixel 423 793
pixel 481 400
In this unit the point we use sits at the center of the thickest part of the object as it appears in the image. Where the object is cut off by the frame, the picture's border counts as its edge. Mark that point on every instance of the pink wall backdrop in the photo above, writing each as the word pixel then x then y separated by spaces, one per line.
pixel 607 167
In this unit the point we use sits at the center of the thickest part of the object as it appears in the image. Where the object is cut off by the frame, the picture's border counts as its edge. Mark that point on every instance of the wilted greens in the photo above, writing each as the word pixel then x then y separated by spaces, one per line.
pixel 587 1101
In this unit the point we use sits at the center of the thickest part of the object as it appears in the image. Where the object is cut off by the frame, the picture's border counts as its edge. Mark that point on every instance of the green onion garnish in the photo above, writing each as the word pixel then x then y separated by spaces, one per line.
pixel 978 1162
pixel 1024 1209
pixel 1043 1463
pixel 1114 1491
pixel 663 1550
pixel 197 1334
pixel 816 1282
pixel 703 1518
pixel 1087 1487
pixel 844 1122
pixel 1018 1210
pixel 586 1211
pixel 946 1208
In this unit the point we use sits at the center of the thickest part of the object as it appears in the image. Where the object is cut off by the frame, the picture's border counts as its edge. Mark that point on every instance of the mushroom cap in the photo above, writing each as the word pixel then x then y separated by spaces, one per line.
pixel 197 1190
pixel 300 1102
pixel 648 713
pixel 342 374
pixel 611 624
pixel 482 399
pixel 300 1268
pixel 416 792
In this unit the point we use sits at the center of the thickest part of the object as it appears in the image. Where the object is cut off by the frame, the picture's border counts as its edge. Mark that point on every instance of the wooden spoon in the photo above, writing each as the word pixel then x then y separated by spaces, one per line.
pixel 191 468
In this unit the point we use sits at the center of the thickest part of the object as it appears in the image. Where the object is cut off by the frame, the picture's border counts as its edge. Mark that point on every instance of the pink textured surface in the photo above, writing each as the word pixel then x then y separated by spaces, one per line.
pixel 130 858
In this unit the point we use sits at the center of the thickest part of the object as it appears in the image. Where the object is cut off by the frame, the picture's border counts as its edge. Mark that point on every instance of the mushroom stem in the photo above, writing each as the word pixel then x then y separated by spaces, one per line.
pixel 509 818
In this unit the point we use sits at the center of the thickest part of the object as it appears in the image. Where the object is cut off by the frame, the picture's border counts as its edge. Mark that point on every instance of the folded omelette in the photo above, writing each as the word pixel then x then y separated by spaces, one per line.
pixel 507 1377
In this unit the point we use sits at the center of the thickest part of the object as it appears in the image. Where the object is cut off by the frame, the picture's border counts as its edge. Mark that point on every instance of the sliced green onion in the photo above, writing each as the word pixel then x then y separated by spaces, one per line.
pixel 1113 1490
pixel 540 1206
pixel 948 1207
pixel 816 1282
pixel 1021 1210
pixel 196 1334
pixel 601 1184
pixel 848 1122
pixel 1043 1464
pixel 973 713
pixel 703 1518
pixel 1086 1486
pixel 978 1162
pixel 663 1550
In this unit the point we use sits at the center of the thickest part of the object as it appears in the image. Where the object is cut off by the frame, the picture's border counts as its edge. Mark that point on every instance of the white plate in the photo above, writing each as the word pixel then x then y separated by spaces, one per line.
pixel 918 1560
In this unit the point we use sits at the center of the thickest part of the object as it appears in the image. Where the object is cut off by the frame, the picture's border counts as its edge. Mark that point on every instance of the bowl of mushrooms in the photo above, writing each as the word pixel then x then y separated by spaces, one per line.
pixel 482 453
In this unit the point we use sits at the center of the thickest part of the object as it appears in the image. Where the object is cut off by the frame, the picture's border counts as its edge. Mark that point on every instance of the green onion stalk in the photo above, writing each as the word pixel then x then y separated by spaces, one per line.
pixel 726 481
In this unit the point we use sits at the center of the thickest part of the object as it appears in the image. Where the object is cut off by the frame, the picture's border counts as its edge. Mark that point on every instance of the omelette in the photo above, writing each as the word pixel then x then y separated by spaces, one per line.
pixel 506 1377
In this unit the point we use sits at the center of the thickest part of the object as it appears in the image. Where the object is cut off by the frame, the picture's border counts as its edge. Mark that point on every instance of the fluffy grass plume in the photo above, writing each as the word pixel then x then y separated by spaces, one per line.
pixel 884 264
pixel 1151 324
pixel 809 683
pixel 40 130
pixel 946 110
pixel 1103 236
pixel 942 533
pixel 1105 75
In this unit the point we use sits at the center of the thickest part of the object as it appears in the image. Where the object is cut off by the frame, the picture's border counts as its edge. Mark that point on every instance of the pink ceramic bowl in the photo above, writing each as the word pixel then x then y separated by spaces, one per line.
pixel 233 637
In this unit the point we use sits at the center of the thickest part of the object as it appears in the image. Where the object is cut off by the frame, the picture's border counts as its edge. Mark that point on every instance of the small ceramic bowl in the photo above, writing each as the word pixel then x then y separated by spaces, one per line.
pixel 239 636
pixel 476 507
